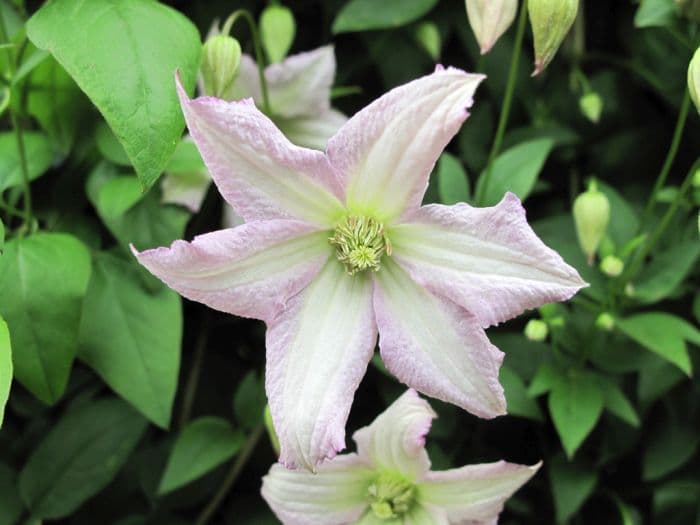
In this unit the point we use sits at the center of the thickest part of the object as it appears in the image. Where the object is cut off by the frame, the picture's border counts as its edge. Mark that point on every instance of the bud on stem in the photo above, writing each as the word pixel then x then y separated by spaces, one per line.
pixel 591 215
pixel 221 56
pixel 694 79
pixel 551 21
pixel 489 19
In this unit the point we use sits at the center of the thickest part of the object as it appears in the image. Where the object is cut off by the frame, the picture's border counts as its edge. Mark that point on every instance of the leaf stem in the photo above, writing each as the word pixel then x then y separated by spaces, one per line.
pixel 507 103
pixel 670 157
pixel 193 377
pixel 259 57
pixel 19 135
pixel 236 468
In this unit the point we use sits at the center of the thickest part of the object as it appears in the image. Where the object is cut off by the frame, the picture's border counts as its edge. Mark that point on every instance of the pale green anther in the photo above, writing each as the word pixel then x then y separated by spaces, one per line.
pixel 360 243
pixel 391 495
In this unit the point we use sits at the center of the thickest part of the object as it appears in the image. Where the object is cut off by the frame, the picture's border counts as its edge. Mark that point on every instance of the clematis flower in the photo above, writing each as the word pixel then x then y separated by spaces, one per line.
pixel 336 249
pixel 300 92
pixel 389 480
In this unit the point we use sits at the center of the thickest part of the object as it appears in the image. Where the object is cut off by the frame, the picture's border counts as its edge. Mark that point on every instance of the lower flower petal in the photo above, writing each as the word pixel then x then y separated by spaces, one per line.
pixel 395 441
pixel 435 346
pixel 335 495
pixel 318 349
pixel 475 493
pixel 487 260
pixel 249 271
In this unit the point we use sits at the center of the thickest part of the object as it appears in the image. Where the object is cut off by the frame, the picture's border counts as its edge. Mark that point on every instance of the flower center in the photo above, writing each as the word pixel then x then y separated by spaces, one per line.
pixel 360 242
pixel 391 495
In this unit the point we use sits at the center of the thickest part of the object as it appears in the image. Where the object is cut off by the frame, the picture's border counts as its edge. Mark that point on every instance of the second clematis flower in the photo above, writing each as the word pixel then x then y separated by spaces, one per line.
pixel 389 481
pixel 336 249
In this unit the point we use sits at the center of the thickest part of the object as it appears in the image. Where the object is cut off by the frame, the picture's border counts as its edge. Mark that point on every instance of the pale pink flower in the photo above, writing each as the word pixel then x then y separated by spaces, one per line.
pixel 337 249
pixel 389 480
pixel 489 19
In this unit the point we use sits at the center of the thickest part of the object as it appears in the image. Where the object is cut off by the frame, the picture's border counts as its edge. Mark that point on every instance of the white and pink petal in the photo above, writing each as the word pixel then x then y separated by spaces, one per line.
pixel 487 260
pixel 313 131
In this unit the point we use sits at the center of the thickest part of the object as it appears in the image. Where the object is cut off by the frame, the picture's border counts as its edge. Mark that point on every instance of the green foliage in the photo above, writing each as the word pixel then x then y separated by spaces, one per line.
pixel 453 183
pixel 249 401
pixel 40 156
pixel 125 65
pixel 655 13
pixel 572 484
pixel 43 279
pixel 92 441
pixel 365 15
pixel 203 445
pixel 5 367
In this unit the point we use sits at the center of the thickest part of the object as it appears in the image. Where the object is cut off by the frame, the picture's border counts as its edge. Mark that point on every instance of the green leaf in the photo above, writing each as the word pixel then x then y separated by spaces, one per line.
pixel 43 279
pixel 2 235
pixel 11 505
pixel 117 196
pixel 249 401
pixel 617 403
pixel 202 446
pixel 546 376
pixel 187 178
pixel 656 377
pixel 277 29
pixel 668 449
pixel 575 404
pixel 571 485
pixel 5 367
pixel 79 457
pixel 516 170
pixel 655 13
pixel 110 148
pixel 519 403
pixel 663 334
pixel 54 99
pixel 364 15
pixel 624 221
pixel 666 272
pixel 428 36
pixel 39 153
pixel 131 337
pixel 453 183
pixel 123 55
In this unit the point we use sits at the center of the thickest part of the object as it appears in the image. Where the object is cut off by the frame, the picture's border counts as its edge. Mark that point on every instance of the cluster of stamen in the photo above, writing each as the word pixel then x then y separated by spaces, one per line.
pixel 391 496
pixel 360 243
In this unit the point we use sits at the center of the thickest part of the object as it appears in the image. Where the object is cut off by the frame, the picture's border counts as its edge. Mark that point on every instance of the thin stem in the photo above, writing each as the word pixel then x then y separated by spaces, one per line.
pixel 11 210
pixel 670 157
pixel 259 57
pixel 507 103
pixel 19 134
pixel 4 38
pixel 236 468
pixel 193 378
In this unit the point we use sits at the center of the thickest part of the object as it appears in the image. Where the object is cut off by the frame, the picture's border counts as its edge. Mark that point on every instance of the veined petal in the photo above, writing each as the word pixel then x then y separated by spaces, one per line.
pixel 395 440
pixel 251 270
pixel 422 514
pixel 300 85
pixel 433 345
pixel 474 493
pixel 318 349
pixel 314 131
pixel 386 151
pixel 335 495
pixel 257 170
pixel 247 82
pixel 487 260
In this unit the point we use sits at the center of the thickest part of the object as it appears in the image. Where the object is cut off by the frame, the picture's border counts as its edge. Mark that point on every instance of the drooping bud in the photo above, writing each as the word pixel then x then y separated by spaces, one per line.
pixel 221 56
pixel 489 19
pixel 694 79
pixel 277 30
pixel 591 105
pixel 591 215
pixel 536 330
pixel 612 266
pixel 551 21
pixel 690 9
pixel 605 321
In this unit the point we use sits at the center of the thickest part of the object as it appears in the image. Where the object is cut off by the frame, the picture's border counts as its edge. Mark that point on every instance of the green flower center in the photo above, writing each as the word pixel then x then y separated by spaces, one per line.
pixel 360 242
pixel 391 495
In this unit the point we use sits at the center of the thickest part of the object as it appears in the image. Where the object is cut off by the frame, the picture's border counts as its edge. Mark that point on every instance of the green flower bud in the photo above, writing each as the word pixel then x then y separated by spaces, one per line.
pixel 274 440
pixel 591 215
pixel 605 321
pixel 277 30
pixel 612 266
pixel 690 9
pixel 694 79
pixel 629 290
pixel 221 56
pixel 428 36
pixel 591 105
pixel 489 19
pixel 536 330
pixel 551 21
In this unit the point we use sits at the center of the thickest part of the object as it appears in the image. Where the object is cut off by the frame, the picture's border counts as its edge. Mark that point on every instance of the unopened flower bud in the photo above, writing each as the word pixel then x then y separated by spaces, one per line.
pixel 591 215
pixel 591 105
pixel 629 290
pixel 277 29
pixel 221 56
pixel 612 266
pixel 694 79
pixel 536 330
pixel 489 19
pixel 551 21
pixel 690 9
pixel 605 321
